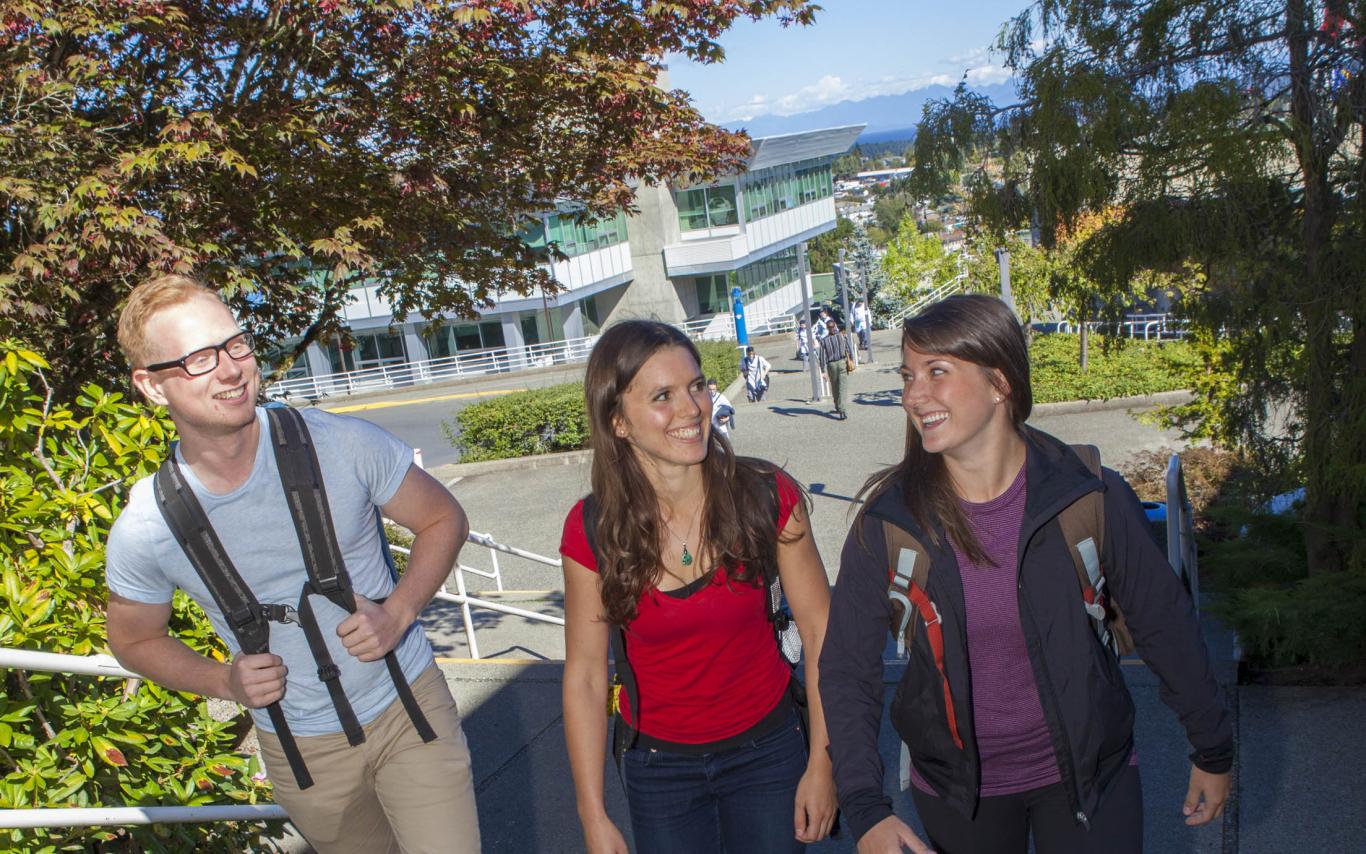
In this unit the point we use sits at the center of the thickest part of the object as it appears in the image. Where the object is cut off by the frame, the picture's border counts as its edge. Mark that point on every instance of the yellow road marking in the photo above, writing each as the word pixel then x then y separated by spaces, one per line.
pixel 528 661
pixel 385 404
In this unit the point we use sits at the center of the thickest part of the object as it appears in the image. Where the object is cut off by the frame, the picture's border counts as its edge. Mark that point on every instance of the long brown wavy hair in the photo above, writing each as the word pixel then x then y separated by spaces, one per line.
pixel 739 522
pixel 981 330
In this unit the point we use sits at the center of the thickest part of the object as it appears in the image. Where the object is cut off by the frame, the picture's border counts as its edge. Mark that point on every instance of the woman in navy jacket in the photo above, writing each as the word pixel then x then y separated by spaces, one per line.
pixel 1024 726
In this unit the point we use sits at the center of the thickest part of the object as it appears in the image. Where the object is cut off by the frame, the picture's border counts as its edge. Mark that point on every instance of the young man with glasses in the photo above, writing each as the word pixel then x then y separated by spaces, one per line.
pixel 395 789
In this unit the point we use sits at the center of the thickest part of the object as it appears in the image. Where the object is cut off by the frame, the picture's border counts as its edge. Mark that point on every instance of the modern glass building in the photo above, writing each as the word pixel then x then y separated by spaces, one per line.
pixel 676 260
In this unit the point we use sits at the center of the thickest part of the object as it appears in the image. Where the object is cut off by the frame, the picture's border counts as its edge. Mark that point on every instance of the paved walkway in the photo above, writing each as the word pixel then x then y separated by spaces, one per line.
pixel 1294 743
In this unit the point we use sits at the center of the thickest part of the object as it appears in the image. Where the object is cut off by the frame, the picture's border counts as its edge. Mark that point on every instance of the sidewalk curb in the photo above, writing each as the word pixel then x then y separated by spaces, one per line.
pixel 569 458
pixel 452 470
pixel 1069 407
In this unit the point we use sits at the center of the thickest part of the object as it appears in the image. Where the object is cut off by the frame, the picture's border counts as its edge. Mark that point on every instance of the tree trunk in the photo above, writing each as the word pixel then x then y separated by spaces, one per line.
pixel 1326 503
pixel 1085 343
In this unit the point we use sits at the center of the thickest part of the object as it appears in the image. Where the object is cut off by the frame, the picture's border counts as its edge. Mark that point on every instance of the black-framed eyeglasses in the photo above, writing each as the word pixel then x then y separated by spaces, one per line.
pixel 200 362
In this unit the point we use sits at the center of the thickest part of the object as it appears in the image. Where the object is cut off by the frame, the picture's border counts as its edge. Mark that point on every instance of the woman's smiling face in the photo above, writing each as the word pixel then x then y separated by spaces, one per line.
pixel 952 404
pixel 666 411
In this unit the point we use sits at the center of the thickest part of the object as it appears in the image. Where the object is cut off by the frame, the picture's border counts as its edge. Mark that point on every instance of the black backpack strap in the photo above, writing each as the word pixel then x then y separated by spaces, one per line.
pixel 624 679
pixel 305 493
pixel 248 619
pixel 779 614
pixel 301 476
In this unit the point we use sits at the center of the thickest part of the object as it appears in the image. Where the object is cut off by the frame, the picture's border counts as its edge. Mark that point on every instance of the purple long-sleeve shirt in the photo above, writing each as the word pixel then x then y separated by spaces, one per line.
pixel 1012 735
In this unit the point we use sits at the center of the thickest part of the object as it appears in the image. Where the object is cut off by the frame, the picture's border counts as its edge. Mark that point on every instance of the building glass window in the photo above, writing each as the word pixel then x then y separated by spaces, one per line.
pixel 447 340
pixel 713 294
pixel 575 238
pixel 766 275
pixel 770 191
pixel 707 207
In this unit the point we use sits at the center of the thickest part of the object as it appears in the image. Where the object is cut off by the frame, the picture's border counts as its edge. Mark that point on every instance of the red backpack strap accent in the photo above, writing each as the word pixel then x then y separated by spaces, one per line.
pixel 908 582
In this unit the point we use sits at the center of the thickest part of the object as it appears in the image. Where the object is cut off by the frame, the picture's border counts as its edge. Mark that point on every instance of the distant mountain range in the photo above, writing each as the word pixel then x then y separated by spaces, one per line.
pixel 888 116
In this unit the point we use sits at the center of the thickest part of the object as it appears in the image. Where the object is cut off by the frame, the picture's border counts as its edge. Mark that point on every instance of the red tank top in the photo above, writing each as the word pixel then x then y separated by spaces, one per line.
pixel 705 662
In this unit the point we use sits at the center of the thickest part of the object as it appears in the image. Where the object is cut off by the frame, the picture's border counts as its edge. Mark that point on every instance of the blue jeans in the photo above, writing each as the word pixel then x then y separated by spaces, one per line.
pixel 737 800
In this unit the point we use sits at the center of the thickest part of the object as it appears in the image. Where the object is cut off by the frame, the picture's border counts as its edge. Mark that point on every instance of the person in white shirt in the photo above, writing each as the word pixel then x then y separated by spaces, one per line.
pixel 754 368
pixel 863 324
pixel 722 412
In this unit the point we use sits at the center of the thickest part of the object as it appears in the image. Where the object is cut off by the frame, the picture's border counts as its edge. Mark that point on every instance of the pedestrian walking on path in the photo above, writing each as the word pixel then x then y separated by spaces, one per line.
pixel 722 410
pixel 803 342
pixel 838 358
pixel 755 369
pixel 1013 709
pixel 668 563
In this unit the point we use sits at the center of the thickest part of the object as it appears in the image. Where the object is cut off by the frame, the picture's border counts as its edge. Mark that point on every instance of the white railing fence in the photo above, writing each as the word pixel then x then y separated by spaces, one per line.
pixel 1146 327
pixel 108 666
pixel 497 361
pixel 952 286
pixel 467 602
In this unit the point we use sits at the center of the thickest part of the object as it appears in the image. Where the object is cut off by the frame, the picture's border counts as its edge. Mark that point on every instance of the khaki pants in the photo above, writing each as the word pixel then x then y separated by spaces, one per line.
pixel 390 794
pixel 836 371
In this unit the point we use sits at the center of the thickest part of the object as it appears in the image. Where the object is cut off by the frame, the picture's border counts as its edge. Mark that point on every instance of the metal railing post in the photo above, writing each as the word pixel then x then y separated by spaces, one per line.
pixel 465 614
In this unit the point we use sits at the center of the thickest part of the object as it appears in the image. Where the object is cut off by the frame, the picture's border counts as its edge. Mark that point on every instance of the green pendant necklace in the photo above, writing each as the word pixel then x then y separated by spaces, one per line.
pixel 686 558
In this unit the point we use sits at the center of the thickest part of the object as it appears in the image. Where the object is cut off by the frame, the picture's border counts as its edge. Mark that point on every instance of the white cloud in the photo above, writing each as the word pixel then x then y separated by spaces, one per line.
pixel 987 75
pixel 832 89
pixel 976 56
pixel 827 90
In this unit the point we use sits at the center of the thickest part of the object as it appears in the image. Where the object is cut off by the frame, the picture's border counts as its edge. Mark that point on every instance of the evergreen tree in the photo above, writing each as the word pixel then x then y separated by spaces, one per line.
pixel 1229 138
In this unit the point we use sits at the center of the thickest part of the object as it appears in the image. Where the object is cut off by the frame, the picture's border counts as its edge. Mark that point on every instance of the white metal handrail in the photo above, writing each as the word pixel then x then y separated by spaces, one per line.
pixel 1149 327
pixel 497 361
pixel 952 286
pixel 104 816
pixel 467 602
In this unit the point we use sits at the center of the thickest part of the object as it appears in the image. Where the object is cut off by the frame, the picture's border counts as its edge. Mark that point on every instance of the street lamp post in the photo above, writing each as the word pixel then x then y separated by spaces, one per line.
pixel 814 354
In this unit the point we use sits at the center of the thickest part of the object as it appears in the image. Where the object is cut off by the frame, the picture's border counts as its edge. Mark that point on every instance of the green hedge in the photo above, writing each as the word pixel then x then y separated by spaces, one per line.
pixel 1117 368
pixel 547 420
pixel 539 421
pixel 720 361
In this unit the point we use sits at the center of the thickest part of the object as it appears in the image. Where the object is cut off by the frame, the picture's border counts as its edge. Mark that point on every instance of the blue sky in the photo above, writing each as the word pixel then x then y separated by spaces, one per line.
pixel 856 49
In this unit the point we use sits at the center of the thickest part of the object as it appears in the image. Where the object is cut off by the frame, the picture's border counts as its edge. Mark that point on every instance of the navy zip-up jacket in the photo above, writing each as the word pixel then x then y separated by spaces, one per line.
pixel 1086 704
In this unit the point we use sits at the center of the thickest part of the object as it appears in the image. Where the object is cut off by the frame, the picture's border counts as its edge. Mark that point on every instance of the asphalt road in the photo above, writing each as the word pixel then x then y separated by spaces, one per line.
pixel 416 414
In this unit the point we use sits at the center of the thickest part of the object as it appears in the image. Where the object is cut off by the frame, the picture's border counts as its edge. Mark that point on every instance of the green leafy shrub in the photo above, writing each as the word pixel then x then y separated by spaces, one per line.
pixel 1118 368
pixel 82 741
pixel 1314 621
pixel 547 420
pixel 720 361
pixel 538 421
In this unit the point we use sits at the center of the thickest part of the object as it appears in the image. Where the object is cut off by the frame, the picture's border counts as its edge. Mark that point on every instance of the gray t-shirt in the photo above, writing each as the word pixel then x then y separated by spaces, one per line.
pixel 362 468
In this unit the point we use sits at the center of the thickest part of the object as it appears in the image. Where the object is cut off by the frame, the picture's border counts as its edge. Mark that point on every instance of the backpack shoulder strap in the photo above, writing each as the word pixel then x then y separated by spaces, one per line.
pixel 301 476
pixel 302 479
pixel 908 563
pixel 1083 525
pixel 623 734
pixel 1083 528
pixel 908 589
pixel 248 619
pixel 191 528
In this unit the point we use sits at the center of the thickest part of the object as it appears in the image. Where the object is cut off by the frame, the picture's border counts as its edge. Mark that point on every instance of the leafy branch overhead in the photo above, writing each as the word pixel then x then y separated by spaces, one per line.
pixel 287 151
pixel 1221 144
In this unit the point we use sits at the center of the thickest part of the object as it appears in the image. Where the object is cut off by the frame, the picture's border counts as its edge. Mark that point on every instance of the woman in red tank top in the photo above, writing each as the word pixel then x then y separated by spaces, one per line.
pixel 680 538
